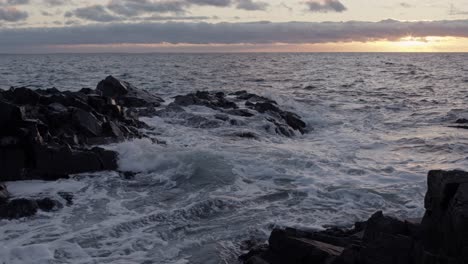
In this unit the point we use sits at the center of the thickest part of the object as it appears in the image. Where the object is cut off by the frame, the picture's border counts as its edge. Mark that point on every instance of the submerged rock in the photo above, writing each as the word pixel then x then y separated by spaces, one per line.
pixel 22 207
pixel 441 237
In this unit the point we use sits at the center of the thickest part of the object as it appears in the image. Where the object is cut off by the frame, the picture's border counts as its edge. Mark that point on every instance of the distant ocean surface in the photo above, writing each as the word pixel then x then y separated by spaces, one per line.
pixel 377 124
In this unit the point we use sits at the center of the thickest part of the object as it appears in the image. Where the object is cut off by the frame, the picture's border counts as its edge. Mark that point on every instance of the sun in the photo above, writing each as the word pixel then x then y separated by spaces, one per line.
pixel 411 42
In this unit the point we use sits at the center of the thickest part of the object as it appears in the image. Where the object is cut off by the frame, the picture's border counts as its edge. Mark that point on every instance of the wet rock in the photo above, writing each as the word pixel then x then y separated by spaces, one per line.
pixel 441 237
pixel 249 135
pixel 113 87
pixel 291 249
pixel 59 162
pixel 23 96
pixel 48 205
pixel 22 207
pixel 58 107
pixel 13 161
pixel 10 114
pixel 68 197
pixel 266 106
pixel 4 194
pixel 112 129
pixel 18 208
pixel 462 121
pixel 126 94
pixel 211 100
pixel 86 122
pixel 445 223
pixel 240 112
pixel 284 122
pixel 294 121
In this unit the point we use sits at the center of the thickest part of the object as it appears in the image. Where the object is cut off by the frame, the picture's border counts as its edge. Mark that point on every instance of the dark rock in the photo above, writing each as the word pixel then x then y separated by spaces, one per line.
pixel 54 163
pixel 285 123
pixel 48 205
pixel 57 107
pixel 126 94
pixel 249 135
pixel 240 112
pixel 18 208
pixel 266 106
pixel 291 249
pixel 86 122
pixel 68 197
pixel 10 114
pixel 445 223
pixel 111 129
pixel 107 158
pixel 88 91
pixel 130 101
pixel 13 161
pixel 212 100
pixel 23 96
pixel 294 121
pixel 113 87
pixel 462 121
pixel 440 238
pixel 378 224
pixel 4 194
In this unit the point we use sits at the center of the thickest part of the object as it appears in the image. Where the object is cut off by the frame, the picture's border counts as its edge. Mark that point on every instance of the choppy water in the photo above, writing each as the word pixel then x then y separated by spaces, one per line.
pixel 379 124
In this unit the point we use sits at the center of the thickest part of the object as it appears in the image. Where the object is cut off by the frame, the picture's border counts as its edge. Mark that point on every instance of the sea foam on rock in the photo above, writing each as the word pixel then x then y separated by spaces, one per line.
pixel 240 104
pixel 441 237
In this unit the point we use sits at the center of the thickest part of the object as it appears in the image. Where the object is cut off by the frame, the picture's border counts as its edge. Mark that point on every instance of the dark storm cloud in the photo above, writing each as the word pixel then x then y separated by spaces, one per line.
pixel 230 33
pixel 11 14
pixel 325 6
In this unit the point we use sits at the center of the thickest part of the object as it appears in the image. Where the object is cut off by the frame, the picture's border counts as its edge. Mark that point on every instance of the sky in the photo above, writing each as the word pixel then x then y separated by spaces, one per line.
pixel 49 26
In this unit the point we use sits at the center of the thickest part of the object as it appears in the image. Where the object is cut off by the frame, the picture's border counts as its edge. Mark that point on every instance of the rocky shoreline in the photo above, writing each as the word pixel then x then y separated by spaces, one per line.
pixel 441 236
pixel 50 135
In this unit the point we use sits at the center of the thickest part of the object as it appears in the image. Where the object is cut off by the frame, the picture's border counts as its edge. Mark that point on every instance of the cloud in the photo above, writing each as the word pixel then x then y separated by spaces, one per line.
pixel 136 7
pixel 17 2
pixel 454 11
pixel 325 6
pixel 218 3
pixel 251 5
pixel 405 5
pixel 229 33
pixel 11 14
pixel 94 13
pixel 175 18
pixel 131 8
pixel 56 2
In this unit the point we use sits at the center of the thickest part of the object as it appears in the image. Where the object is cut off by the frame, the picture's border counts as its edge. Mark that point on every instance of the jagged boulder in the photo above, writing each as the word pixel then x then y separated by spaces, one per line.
pixel 441 237
pixel 280 121
pixel 445 223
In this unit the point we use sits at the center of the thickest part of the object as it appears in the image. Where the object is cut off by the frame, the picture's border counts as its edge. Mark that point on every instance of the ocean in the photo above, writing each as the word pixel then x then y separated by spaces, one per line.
pixel 377 123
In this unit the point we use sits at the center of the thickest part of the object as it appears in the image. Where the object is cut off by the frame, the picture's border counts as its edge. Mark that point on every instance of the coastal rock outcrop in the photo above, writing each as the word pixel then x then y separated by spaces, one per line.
pixel 238 104
pixel 48 134
pixel 441 237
